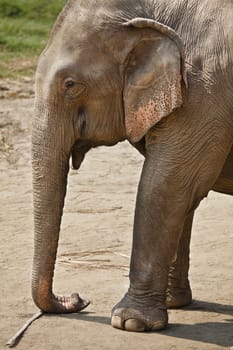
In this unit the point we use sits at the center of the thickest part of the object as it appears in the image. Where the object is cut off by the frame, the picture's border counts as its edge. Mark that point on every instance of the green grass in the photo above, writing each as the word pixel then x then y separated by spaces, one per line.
pixel 24 30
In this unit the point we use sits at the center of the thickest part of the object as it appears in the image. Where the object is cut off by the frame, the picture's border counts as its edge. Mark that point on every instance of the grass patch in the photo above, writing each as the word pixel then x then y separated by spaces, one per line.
pixel 24 30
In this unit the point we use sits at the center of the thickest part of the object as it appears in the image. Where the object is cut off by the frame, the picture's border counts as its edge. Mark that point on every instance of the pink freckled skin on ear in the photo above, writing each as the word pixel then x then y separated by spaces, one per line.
pixel 138 122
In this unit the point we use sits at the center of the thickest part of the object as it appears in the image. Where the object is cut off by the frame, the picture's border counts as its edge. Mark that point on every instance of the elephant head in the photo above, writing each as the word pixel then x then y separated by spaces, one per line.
pixel 99 81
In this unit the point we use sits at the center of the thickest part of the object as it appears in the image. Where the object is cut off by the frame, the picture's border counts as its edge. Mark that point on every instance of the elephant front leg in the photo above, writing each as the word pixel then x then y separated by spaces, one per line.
pixel 179 293
pixel 159 218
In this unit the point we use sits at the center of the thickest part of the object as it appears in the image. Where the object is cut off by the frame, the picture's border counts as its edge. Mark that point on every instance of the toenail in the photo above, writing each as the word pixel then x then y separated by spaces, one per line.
pixel 158 325
pixel 117 322
pixel 134 325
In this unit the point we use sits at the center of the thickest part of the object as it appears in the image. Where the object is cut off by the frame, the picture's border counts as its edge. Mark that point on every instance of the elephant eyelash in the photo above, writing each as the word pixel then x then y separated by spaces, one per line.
pixel 69 84
pixel 73 89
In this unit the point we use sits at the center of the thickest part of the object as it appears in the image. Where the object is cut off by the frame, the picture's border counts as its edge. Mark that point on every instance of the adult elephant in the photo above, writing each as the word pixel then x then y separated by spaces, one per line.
pixel 159 74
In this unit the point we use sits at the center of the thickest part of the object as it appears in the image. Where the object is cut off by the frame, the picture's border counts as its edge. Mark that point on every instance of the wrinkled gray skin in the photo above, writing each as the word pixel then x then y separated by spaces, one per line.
pixel 108 74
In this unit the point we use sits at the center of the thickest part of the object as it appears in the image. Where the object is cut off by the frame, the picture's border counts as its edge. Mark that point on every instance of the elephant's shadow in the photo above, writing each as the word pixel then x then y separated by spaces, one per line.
pixel 218 333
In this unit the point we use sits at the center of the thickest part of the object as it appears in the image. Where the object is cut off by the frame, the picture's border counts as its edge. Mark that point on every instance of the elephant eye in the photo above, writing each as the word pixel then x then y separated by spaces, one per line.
pixel 72 88
pixel 69 83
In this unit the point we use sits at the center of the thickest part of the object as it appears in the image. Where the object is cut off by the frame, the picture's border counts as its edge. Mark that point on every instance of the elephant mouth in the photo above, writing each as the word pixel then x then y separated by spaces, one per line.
pixel 79 149
pixel 77 160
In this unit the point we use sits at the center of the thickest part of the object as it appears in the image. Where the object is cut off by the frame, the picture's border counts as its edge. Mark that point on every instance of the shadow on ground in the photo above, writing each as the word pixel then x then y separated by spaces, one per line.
pixel 218 333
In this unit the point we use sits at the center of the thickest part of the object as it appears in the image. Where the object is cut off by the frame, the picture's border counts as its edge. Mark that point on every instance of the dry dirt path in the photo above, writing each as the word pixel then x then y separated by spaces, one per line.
pixel 94 251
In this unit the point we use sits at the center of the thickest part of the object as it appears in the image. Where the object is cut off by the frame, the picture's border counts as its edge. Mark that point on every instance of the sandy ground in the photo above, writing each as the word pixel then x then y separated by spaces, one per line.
pixel 94 249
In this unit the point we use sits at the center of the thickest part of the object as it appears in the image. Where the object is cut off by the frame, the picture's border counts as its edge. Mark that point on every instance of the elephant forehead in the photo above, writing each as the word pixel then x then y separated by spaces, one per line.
pixel 96 73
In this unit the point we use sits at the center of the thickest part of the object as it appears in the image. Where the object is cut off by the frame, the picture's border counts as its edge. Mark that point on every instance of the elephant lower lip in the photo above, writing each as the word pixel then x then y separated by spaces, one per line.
pixel 77 160
pixel 80 148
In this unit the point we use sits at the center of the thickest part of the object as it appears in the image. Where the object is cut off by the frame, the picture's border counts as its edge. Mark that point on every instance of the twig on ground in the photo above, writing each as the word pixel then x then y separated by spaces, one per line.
pixel 16 338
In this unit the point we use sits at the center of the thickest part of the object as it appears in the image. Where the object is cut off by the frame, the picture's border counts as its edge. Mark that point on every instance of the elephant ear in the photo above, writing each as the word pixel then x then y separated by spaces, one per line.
pixel 154 76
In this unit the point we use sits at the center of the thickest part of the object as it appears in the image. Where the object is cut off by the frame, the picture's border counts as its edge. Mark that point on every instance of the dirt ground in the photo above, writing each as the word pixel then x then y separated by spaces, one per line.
pixel 94 250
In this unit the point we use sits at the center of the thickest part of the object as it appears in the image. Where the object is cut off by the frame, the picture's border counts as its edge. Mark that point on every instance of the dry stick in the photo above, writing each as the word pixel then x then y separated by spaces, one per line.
pixel 14 340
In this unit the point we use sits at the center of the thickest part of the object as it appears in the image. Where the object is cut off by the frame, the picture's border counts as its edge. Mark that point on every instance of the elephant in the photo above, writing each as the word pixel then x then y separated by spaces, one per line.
pixel 158 74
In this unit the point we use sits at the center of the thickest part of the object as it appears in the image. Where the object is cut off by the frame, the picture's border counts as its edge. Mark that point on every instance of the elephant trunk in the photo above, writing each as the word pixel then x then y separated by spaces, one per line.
pixel 50 169
pixel 50 162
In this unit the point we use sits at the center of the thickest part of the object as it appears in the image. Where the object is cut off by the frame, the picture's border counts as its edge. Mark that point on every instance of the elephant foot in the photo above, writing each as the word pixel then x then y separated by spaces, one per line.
pixel 178 297
pixel 134 315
